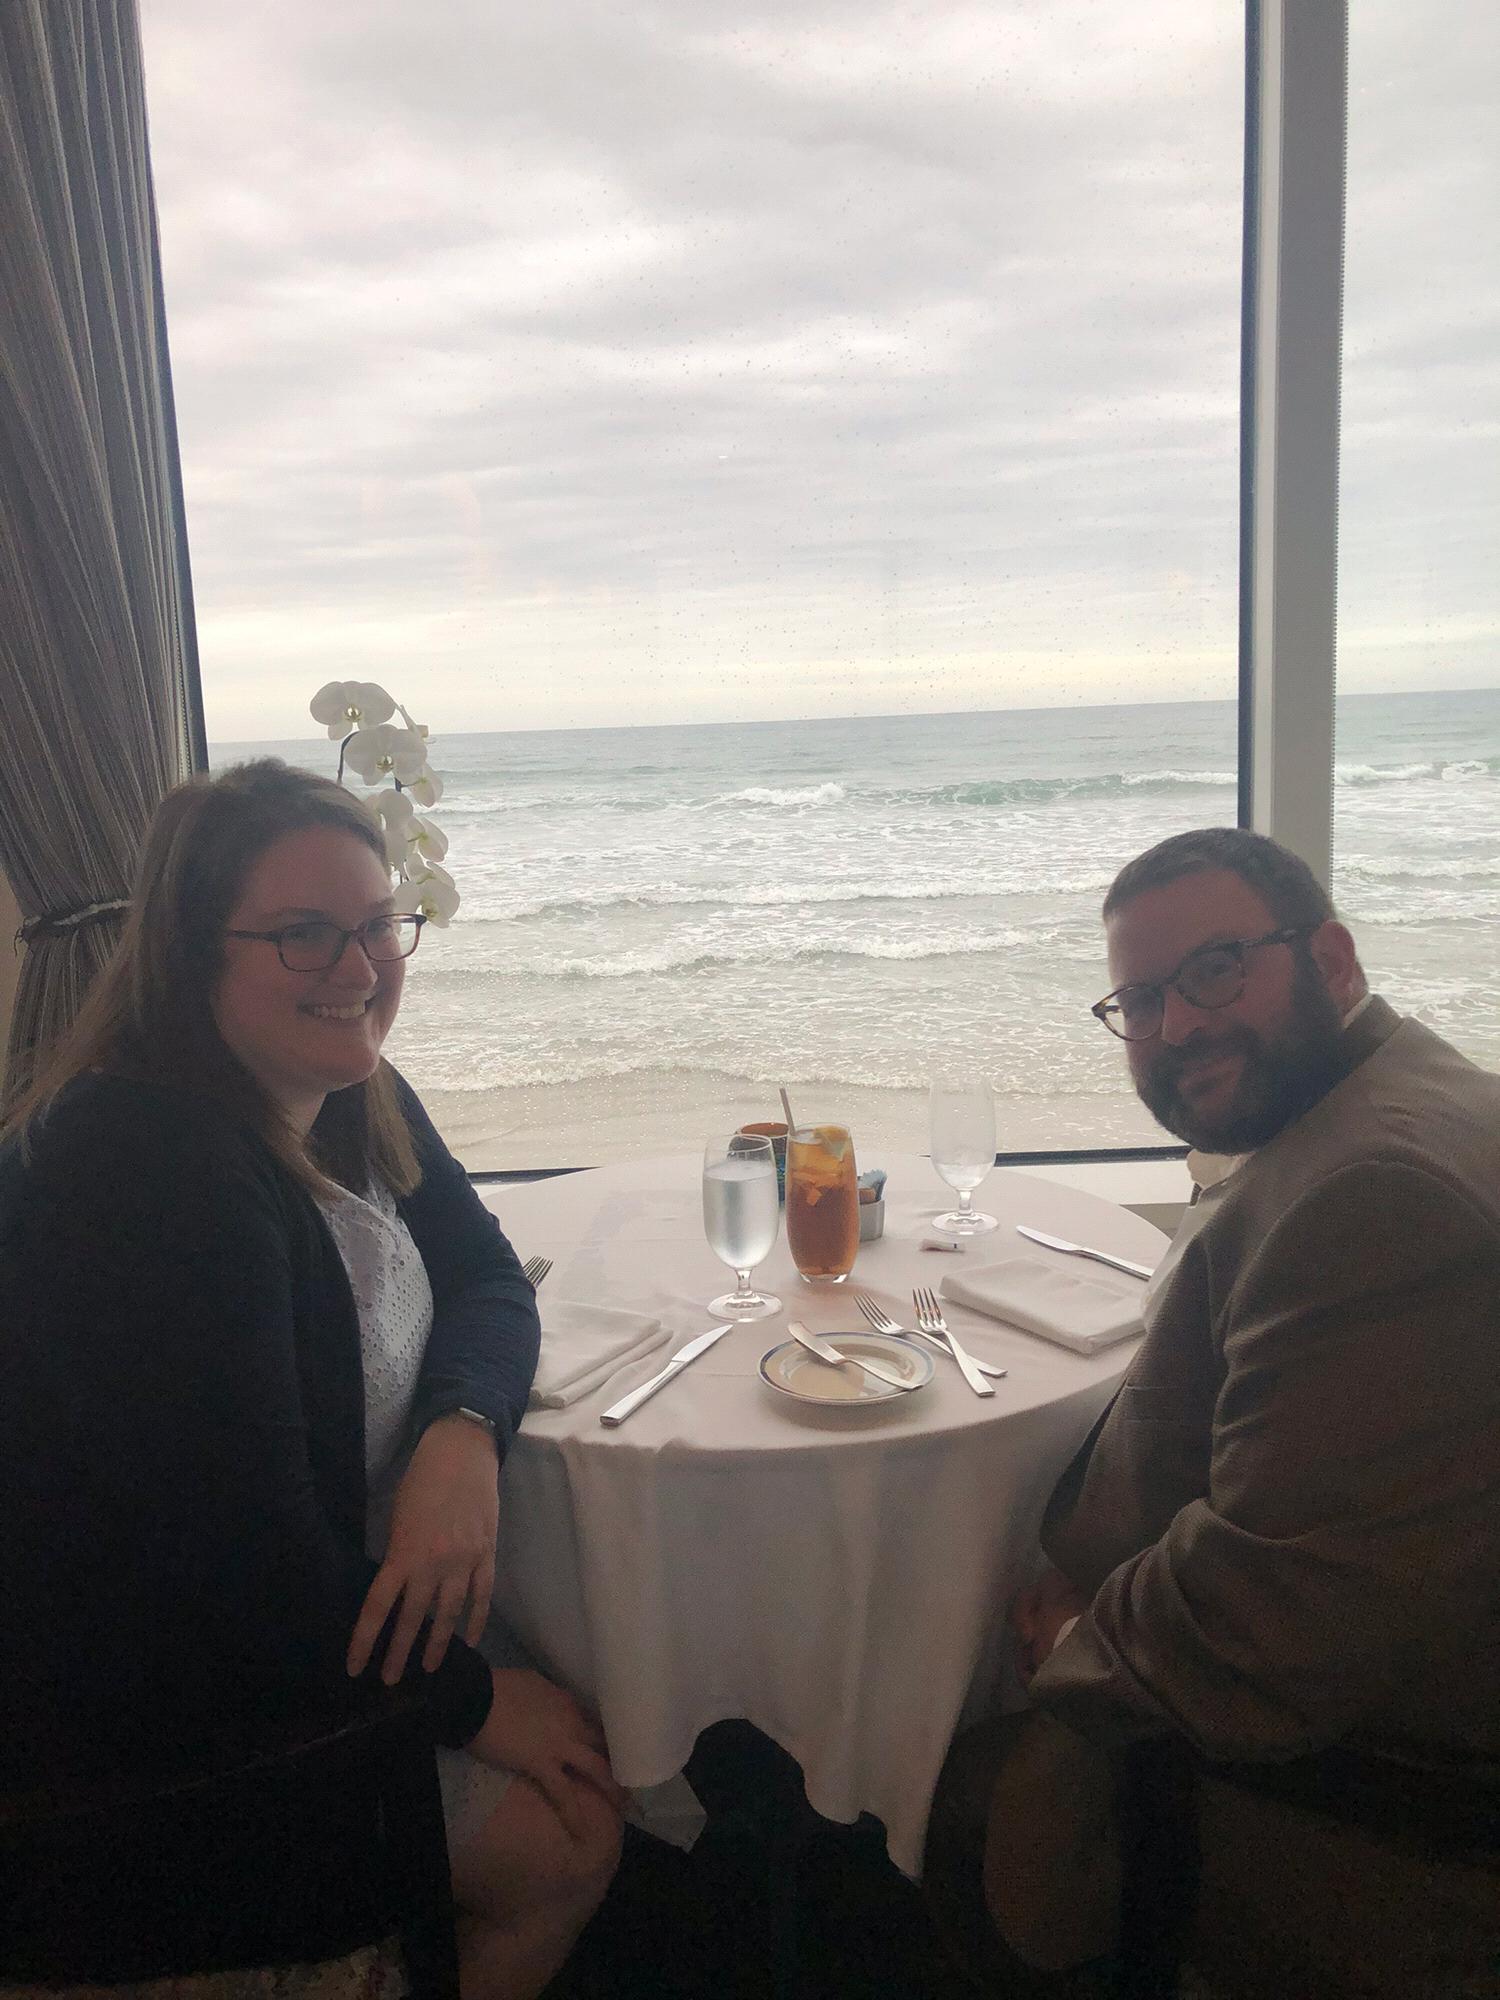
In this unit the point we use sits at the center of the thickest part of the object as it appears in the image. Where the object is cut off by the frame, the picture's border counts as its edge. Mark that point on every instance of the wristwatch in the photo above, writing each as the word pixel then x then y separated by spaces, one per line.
pixel 473 1417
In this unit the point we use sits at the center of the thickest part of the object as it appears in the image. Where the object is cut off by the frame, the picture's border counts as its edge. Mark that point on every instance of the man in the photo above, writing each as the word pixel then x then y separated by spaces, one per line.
pixel 1276 1560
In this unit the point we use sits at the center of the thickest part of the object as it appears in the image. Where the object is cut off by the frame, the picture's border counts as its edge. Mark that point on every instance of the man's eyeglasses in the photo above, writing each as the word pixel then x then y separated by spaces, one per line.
pixel 1212 976
pixel 318 947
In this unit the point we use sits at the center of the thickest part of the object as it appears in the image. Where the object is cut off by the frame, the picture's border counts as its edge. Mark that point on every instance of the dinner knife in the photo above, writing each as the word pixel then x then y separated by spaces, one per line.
pixel 618 1412
pixel 1081 1250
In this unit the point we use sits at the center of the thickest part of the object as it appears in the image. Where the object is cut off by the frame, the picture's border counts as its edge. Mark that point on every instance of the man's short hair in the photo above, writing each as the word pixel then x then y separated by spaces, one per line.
pixel 1283 881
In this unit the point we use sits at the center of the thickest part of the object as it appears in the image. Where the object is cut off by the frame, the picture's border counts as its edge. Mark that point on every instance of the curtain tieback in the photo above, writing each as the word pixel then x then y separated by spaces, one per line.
pixel 57 923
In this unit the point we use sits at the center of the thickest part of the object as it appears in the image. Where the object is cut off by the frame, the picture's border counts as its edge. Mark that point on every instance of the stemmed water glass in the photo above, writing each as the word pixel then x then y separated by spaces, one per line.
pixel 740 1216
pixel 962 1128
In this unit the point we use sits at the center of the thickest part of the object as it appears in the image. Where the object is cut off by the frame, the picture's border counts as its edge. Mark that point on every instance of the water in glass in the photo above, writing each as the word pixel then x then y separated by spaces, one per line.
pixel 739 1221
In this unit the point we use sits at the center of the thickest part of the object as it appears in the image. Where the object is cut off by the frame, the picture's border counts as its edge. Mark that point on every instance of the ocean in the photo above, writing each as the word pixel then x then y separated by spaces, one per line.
pixel 836 905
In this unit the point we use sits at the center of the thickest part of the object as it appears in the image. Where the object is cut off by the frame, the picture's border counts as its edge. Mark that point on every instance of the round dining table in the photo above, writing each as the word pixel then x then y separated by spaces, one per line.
pixel 836 1575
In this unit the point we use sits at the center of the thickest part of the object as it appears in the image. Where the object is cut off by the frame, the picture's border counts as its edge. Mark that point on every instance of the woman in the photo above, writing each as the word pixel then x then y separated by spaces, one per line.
pixel 255 1318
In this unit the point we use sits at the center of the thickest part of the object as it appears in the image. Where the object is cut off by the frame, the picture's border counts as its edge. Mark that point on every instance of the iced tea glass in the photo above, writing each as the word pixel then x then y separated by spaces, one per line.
pixel 822 1203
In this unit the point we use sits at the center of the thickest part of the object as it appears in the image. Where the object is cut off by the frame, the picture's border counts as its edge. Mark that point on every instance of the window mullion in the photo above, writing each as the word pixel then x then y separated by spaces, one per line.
pixel 1295 168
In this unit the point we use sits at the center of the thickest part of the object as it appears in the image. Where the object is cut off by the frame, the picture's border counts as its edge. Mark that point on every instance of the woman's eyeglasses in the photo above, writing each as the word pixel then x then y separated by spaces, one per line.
pixel 318 947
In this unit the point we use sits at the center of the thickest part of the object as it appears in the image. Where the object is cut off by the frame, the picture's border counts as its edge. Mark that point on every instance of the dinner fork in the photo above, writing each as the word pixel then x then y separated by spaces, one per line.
pixel 883 1323
pixel 930 1320
pixel 535 1269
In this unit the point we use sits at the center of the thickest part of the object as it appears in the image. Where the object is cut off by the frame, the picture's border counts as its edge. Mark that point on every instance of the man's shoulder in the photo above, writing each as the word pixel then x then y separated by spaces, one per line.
pixel 1411 1055
pixel 1414 1103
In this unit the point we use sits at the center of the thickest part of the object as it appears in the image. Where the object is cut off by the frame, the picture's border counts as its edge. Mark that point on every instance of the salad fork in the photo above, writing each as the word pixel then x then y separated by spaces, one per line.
pixel 535 1269
pixel 930 1320
pixel 883 1323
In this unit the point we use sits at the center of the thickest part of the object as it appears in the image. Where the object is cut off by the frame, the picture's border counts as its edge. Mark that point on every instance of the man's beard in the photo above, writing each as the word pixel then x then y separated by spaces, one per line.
pixel 1283 1075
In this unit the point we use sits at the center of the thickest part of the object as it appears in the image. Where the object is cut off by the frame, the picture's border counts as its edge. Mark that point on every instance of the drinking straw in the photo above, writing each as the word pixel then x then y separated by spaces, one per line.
pixel 791 1123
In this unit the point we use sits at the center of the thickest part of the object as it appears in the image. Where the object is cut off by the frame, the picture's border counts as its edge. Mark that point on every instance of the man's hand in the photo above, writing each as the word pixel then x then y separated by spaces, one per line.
pixel 540 1731
pixel 440 1559
pixel 1039 1613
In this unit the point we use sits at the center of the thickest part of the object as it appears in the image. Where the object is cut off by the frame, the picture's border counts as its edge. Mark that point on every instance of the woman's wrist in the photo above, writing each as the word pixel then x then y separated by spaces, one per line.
pixel 463 1440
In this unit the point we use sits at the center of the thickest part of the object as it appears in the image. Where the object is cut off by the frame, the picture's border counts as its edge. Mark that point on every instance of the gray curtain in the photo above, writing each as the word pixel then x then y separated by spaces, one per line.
pixel 98 672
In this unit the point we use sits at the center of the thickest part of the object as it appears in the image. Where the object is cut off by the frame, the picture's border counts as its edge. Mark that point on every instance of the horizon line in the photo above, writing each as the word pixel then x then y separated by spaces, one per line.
pixel 906 715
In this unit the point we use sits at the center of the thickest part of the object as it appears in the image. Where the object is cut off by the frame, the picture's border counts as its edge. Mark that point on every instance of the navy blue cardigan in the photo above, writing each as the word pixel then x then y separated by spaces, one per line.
pixel 182 1486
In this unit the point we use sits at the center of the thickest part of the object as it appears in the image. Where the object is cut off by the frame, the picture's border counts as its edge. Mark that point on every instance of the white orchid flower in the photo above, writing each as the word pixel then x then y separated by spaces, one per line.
pixel 427 840
pixel 349 705
pixel 372 746
pixel 426 789
pixel 396 809
pixel 386 752
pixel 433 893
pixel 397 815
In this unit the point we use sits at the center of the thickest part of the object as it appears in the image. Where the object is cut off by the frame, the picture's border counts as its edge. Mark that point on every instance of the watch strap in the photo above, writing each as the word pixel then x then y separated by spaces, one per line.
pixel 474 1417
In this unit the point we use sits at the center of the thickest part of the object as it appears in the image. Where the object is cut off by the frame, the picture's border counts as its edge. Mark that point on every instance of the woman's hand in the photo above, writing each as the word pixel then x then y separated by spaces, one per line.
pixel 540 1731
pixel 440 1559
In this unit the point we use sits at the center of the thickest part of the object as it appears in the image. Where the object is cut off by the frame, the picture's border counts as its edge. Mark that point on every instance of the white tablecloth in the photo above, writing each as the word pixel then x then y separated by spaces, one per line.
pixel 838 1578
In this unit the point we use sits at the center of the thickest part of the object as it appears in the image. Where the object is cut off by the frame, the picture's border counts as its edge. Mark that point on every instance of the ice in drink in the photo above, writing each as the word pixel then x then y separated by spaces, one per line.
pixel 822 1202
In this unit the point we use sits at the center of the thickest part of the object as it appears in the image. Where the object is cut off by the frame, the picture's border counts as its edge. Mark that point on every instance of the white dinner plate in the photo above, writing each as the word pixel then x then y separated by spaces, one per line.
pixel 795 1372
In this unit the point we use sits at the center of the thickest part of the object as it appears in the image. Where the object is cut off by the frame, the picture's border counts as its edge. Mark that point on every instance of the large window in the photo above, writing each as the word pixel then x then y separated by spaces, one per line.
pixel 1417 782
pixel 790 462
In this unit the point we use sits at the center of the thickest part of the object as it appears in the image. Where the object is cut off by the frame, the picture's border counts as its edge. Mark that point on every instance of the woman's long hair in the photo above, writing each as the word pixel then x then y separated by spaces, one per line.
pixel 150 1013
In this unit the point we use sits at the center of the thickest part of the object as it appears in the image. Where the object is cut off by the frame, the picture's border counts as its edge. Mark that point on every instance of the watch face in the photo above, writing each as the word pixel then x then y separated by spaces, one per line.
pixel 477 1417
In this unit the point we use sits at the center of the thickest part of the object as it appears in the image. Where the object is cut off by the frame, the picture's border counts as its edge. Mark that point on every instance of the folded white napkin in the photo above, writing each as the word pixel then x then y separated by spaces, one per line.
pixel 1084 1313
pixel 583 1345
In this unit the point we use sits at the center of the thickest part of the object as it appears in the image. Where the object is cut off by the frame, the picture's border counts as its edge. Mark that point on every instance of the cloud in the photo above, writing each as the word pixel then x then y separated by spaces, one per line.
pixel 597 365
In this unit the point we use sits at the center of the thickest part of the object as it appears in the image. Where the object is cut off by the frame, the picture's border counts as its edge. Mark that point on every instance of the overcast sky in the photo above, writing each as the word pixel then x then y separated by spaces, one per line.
pixel 598 364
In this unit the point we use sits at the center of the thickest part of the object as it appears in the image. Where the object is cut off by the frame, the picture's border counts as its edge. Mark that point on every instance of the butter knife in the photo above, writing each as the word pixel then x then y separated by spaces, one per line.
pixel 826 1351
pixel 618 1412
pixel 1081 1250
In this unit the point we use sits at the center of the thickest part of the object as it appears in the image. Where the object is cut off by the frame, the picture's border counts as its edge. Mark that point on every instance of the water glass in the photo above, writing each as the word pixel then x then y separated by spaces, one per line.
pixel 962 1135
pixel 740 1217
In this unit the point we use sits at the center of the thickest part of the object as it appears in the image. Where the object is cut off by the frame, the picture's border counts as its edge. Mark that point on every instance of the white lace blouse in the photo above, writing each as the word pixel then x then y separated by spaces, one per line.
pixel 394 1303
pixel 393 1300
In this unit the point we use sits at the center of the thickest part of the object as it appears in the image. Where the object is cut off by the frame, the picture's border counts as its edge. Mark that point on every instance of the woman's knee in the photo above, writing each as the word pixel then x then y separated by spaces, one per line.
pixel 525 1857
pixel 595 1851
